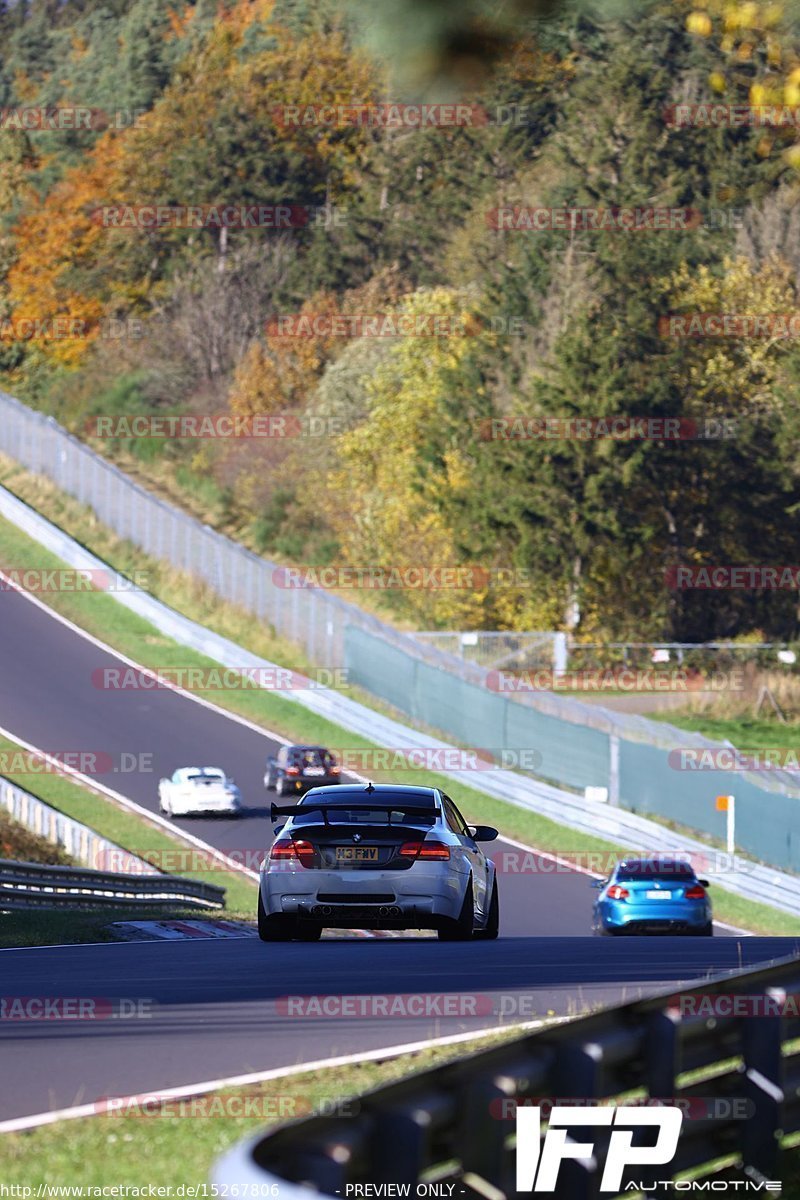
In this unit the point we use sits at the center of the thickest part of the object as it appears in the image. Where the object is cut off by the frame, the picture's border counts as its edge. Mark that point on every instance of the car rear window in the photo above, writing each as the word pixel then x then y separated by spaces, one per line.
pixel 359 816
pixel 311 758
pixel 674 873
pixel 339 811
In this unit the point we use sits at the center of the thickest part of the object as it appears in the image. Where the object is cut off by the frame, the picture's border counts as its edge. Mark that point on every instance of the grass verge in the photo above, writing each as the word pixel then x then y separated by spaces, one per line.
pixel 176 1145
pixel 746 733
pixel 171 1151
pixel 101 615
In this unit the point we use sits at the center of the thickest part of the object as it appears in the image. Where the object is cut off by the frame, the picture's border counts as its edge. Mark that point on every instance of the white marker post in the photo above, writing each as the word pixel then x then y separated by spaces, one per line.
pixel 727 804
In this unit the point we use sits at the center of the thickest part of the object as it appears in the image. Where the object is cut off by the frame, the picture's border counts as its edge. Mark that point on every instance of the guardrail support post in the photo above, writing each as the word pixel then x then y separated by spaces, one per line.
pixel 613 770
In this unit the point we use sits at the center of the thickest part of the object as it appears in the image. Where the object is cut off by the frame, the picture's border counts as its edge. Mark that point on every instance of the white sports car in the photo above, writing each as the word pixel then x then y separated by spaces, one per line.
pixel 198 791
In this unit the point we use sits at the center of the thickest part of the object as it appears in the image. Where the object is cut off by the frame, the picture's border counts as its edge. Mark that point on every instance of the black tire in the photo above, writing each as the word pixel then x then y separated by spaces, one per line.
pixel 277 928
pixel 492 927
pixel 705 930
pixel 460 930
pixel 269 783
pixel 279 787
pixel 308 931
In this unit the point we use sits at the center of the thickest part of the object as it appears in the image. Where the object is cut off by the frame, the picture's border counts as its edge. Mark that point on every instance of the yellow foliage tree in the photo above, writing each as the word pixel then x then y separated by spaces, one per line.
pixel 733 376
pixel 400 470
pixel 57 238
pixel 762 32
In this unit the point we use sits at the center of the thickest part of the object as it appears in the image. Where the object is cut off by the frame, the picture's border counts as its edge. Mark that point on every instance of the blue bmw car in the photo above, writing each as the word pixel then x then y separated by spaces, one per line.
pixel 653 895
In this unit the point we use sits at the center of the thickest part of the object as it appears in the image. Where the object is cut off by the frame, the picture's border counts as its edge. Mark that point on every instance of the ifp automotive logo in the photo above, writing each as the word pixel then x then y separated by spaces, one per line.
pixel 539 1161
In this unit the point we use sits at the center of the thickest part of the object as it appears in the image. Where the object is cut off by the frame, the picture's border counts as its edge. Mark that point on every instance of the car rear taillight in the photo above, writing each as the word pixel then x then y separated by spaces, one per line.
pixel 285 849
pixel 428 850
pixel 292 770
pixel 615 892
pixel 694 893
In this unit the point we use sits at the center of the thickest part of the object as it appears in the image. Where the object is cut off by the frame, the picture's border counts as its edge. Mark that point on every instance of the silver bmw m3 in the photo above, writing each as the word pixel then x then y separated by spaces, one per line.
pixel 376 857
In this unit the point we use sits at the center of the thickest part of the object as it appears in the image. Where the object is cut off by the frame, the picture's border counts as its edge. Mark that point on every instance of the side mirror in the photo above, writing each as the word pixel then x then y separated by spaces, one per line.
pixel 704 883
pixel 278 829
pixel 598 884
pixel 482 833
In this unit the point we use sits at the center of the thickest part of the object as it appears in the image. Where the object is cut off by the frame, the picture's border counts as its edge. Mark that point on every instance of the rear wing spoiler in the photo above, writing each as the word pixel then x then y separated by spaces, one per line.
pixel 289 810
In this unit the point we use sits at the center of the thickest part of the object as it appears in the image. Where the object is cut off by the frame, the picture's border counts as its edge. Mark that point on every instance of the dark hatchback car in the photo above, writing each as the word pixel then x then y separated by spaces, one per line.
pixel 653 895
pixel 295 769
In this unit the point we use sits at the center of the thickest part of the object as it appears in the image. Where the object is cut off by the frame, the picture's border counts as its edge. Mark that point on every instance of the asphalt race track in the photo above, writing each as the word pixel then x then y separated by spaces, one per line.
pixel 213 1009
pixel 47 698
pixel 209 1008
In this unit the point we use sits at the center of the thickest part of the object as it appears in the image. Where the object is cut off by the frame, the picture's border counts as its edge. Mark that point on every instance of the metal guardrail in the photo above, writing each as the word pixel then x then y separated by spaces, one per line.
pixel 31 885
pixel 80 842
pixel 454 1124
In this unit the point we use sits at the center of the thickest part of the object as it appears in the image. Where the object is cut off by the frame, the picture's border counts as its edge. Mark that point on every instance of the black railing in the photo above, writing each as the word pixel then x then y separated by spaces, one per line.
pixel 736 1078
pixel 30 885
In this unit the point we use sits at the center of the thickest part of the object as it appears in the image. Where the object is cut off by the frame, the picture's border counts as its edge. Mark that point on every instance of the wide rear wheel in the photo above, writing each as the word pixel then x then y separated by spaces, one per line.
pixel 492 926
pixel 275 928
pixel 461 929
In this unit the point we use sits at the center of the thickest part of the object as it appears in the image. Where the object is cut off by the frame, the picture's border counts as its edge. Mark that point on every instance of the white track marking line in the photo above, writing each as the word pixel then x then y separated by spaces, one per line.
pixel 18 1124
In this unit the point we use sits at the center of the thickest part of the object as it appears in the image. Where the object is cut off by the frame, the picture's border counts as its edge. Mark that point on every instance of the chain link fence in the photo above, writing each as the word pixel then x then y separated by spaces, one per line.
pixel 529 651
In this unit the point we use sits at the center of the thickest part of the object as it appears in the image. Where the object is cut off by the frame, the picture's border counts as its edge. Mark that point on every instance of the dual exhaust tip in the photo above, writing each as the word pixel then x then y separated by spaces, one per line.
pixel 326 910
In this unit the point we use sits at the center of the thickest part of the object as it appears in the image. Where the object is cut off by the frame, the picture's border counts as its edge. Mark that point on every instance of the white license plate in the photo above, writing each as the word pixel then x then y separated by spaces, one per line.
pixel 314 771
pixel 659 895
